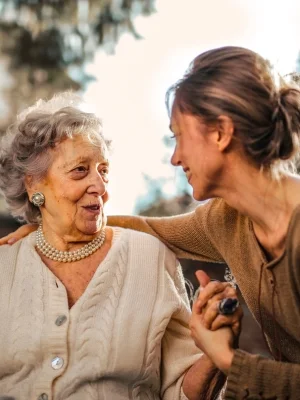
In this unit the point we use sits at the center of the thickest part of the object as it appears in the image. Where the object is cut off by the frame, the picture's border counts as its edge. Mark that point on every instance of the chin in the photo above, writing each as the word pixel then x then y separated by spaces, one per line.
pixel 200 196
pixel 90 228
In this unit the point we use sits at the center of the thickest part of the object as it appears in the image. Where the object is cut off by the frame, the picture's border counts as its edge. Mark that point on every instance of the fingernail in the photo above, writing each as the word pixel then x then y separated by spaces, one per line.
pixel 11 241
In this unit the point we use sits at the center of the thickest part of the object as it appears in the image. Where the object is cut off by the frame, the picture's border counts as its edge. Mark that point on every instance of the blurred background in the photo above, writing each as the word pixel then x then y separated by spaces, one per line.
pixel 121 56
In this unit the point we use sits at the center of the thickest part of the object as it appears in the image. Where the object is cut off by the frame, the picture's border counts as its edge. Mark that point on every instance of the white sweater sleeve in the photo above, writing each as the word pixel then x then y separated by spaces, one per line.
pixel 179 352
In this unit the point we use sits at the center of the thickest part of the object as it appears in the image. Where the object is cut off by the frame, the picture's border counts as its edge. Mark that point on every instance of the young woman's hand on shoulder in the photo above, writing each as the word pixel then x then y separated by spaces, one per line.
pixel 21 232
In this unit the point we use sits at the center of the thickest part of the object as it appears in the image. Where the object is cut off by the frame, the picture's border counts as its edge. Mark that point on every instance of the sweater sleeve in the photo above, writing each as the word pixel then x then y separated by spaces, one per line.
pixel 179 352
pixel 255 377
pixel 188 235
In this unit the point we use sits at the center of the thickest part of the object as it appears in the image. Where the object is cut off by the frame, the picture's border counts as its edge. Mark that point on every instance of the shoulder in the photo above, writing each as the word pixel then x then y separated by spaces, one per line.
pixel 216 213
pixel 217 209
pixel 294 226
pixel 151 258
pixel 139 238
pixel 293 241
pixel 146 245
pixel 9 252
pixel 8 264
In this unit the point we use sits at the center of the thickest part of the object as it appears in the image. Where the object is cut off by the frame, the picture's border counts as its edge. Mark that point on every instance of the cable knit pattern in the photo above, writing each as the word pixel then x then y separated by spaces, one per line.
pixel 125 338
pixel 24 345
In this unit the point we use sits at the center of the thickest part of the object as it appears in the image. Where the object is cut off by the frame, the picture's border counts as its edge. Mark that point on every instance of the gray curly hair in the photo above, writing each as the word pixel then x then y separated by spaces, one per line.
pixel 26 144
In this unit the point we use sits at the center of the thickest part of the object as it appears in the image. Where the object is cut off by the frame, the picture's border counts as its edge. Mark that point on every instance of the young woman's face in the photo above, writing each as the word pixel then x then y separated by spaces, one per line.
pixel 75 188
pixel 197 153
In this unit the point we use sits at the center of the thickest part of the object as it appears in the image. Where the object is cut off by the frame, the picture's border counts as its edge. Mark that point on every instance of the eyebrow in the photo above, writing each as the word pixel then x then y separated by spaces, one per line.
pixel 81 160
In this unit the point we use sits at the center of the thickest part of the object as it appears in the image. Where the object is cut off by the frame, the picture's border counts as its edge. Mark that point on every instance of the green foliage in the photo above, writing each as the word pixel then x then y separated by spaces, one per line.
pixel 42 40
pixel 57 33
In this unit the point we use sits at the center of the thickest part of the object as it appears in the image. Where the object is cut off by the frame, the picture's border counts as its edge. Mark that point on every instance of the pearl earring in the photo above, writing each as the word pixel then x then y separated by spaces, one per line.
pixel 38 199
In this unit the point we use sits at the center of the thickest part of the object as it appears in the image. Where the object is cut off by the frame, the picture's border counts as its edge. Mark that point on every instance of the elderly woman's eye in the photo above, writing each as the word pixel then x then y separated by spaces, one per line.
pixel 81 168
pixel 104 171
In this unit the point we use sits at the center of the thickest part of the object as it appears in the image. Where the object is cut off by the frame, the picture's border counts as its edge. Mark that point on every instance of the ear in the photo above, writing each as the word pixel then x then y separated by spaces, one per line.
pixel 29 185
pixel 225 129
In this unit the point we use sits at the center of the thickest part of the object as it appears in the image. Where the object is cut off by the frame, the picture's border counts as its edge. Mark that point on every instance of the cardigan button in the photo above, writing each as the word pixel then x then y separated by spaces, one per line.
pixel 61 319
pixel 57 363
pixel 43 396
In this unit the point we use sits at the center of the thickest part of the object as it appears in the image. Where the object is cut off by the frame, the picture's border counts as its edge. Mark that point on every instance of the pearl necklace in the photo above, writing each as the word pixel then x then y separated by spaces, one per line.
pixel 67 256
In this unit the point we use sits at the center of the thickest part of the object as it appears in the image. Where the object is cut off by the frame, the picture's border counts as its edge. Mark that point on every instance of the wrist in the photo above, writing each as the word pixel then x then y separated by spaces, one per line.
pixel 208 361
pixel 224 361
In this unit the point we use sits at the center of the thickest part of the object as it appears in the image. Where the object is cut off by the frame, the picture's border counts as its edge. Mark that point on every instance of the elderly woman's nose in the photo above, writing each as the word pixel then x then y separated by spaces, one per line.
pixel 97 183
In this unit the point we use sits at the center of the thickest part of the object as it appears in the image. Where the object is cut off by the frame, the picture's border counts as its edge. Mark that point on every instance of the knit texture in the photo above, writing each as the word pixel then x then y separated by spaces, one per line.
pixel 218 233
pixel 126 337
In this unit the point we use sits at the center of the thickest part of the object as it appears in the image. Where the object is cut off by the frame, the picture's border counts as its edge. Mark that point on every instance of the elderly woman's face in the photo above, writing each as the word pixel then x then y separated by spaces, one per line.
pixel 75 187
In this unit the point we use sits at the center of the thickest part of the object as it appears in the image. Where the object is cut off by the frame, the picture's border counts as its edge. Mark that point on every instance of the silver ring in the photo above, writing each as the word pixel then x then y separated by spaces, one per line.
pixel 228 306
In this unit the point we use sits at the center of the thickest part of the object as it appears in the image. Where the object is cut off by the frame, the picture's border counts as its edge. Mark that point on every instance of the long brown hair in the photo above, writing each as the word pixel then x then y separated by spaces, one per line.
pixel 238 83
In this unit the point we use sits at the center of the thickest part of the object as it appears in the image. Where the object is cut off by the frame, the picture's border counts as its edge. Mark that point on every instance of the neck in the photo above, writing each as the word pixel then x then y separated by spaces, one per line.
pixel 269 203
pixel 69 239
pixel 67 256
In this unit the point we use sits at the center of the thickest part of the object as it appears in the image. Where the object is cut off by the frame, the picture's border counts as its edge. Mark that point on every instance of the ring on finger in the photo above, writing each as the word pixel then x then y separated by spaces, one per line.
pixel 228 306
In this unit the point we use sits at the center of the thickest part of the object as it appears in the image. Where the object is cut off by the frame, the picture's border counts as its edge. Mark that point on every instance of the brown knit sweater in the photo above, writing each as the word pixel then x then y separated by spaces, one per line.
pixel 216 232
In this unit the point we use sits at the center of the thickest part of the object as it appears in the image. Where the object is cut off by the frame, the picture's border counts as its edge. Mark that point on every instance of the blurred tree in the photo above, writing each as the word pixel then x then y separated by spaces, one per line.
pixel 157 197
pixel 155 203
pixel 45 43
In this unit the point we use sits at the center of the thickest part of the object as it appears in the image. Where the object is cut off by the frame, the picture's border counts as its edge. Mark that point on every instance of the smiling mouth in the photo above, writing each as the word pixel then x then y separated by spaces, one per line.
pixel 92 207
pixel 188 175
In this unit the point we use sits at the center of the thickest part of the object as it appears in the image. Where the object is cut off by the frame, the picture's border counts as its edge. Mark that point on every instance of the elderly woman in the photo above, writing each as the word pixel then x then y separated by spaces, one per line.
pixel 86 311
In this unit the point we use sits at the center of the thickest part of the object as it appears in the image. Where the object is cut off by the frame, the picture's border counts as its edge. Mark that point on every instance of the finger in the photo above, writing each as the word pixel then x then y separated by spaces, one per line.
pixel 8 239
pixel 212 304
pixel 237 327
pixel 195 309
pixel 211 317
pixel 195 323
pixel 211 313
pixel 222 320
pixel 229 291
pixel 234 321
pixel 203 278
pixel 18 234
pixel 211 289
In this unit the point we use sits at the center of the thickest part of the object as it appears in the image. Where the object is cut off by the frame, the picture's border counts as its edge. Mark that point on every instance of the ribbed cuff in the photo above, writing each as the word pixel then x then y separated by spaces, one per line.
pixel 233 380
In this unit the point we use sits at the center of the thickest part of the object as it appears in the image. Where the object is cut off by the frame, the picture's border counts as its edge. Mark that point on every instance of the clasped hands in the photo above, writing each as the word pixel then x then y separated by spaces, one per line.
pixel 215 334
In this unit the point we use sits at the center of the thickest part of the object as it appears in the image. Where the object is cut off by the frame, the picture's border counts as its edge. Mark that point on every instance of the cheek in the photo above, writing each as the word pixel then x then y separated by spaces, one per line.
pixel 106 196
pixel 73 191
pixel 66 195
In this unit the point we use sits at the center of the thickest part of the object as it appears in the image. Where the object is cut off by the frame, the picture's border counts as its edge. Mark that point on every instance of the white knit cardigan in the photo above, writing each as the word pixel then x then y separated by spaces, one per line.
pixel 126 337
